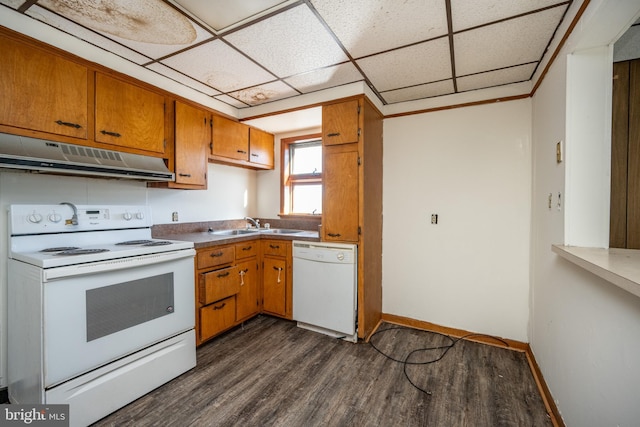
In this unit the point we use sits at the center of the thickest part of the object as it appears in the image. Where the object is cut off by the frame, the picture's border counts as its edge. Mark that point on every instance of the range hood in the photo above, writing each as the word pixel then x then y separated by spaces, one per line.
pixel 21 152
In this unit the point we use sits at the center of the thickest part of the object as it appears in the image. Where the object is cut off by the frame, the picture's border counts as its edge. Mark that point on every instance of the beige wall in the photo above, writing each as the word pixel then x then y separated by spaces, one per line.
pixel 472 167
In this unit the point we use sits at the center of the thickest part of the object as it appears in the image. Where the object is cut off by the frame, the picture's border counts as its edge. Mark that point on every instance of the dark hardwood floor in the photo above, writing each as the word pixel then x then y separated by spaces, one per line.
pixel 271 373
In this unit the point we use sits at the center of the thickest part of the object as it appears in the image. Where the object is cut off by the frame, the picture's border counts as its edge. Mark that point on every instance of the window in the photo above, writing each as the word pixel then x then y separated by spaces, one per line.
pixel 302 175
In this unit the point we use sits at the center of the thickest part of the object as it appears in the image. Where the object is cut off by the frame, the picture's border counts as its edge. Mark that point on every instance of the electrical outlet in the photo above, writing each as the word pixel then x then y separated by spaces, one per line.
pixel 174 217
pixel 434 218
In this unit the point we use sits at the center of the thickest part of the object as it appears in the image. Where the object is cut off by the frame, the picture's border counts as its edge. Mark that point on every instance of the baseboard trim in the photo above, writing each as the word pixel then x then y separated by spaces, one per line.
pixel 523 347
pixel 552 409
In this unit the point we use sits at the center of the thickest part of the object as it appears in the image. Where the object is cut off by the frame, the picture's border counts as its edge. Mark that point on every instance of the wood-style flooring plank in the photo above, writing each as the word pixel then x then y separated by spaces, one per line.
pixel 271 373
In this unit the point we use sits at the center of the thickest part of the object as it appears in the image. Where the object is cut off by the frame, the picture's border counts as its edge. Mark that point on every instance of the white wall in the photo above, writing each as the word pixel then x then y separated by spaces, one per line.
pixel 472 167
pixel 231 194
pixel 583 329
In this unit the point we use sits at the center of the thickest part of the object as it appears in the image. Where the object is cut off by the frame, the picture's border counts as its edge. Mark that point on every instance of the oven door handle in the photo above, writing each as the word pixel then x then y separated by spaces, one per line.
pixel 51 274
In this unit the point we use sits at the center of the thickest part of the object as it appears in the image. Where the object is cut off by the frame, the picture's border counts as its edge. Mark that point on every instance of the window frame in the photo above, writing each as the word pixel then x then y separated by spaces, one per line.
pixel 286 189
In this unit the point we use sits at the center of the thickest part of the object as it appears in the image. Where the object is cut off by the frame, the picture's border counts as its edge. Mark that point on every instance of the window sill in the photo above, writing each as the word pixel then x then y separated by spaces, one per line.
pixel 618 266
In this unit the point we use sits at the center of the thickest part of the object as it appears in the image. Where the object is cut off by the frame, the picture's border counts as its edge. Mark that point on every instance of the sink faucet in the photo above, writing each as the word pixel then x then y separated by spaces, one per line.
pixel 255 222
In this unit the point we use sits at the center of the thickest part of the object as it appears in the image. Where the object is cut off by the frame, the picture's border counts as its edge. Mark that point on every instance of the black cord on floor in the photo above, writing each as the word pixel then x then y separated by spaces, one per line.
pixel 406 362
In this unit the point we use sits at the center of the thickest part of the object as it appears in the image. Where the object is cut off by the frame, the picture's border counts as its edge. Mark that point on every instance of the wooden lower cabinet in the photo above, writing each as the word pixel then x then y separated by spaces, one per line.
pixel 235 282
pixel 274 286
pixel 277 278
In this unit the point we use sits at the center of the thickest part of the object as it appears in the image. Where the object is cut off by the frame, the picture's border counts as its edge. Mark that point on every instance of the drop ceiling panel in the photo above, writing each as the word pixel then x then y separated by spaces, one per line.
pixel 231 101
pixel 325 78
pixel 84 34
pixel 496 78
pixel 513 42
pixel 263 93
pixel 468 14
pixel 218 65
pixel 423 63
pixel 181 78
pixel 289 43
pixel 429 90
pixel 140 25
pixel 365 27
pixel 220 14
pixel 13 3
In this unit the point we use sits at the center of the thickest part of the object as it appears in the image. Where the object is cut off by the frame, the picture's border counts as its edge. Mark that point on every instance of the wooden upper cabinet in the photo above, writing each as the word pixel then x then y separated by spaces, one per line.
pixel 128 115
pixel 41 91
pixel 230 139
pixel 340 123
pixel 193 135
pixel 261 147
pixel 340 200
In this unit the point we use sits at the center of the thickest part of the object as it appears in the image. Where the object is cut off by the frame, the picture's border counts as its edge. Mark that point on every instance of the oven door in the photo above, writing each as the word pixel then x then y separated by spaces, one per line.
pixel 91 319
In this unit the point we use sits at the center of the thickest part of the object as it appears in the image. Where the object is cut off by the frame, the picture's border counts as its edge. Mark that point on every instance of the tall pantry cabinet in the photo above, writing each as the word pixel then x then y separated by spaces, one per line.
pixel 352 195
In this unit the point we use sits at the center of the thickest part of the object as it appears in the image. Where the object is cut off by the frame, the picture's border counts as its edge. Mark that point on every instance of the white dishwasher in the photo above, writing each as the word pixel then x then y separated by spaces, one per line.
pixel 325 278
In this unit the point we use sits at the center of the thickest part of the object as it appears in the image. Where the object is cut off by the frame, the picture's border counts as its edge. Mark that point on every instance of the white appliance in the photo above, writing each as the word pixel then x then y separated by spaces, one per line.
pixel 325 278
pixel 99 313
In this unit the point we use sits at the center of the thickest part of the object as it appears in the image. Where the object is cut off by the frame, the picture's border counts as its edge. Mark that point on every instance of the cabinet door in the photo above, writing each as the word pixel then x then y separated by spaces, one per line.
pixel 41 91
pixel 340 198
pixel 248 299
pixel 216 317
pixel 129 116
pixel 261 147
pixel 193 135
pixel 340 124
pixel 274 276
pixel 230 139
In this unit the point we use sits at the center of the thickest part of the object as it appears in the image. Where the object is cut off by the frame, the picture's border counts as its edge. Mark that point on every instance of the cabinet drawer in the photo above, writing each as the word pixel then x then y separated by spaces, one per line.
pixel 246 249
pixel 218 284
pixel 216 256
pixel 215 318
pixel 275 248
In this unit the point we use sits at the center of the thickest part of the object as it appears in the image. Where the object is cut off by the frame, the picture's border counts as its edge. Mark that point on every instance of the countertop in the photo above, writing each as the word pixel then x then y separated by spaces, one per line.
pixel 204 239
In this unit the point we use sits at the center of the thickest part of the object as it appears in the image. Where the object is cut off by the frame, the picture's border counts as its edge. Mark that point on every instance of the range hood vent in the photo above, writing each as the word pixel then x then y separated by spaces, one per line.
pixel 21 152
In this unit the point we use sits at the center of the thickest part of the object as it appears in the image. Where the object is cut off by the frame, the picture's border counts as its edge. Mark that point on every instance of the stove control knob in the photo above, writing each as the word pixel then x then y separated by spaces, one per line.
pixel 34 218
pixel 127 216
pixel 55 217
pixel 139 215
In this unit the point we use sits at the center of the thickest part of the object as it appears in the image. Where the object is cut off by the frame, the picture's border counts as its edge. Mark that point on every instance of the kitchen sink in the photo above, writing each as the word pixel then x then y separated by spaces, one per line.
pixel 235 232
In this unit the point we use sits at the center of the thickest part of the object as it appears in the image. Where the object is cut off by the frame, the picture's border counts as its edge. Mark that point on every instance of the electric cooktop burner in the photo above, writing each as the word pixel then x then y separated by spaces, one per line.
pixel 158 243
pixel 81 251
pixel 145 243
pixel 60 249
pixel 134 242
